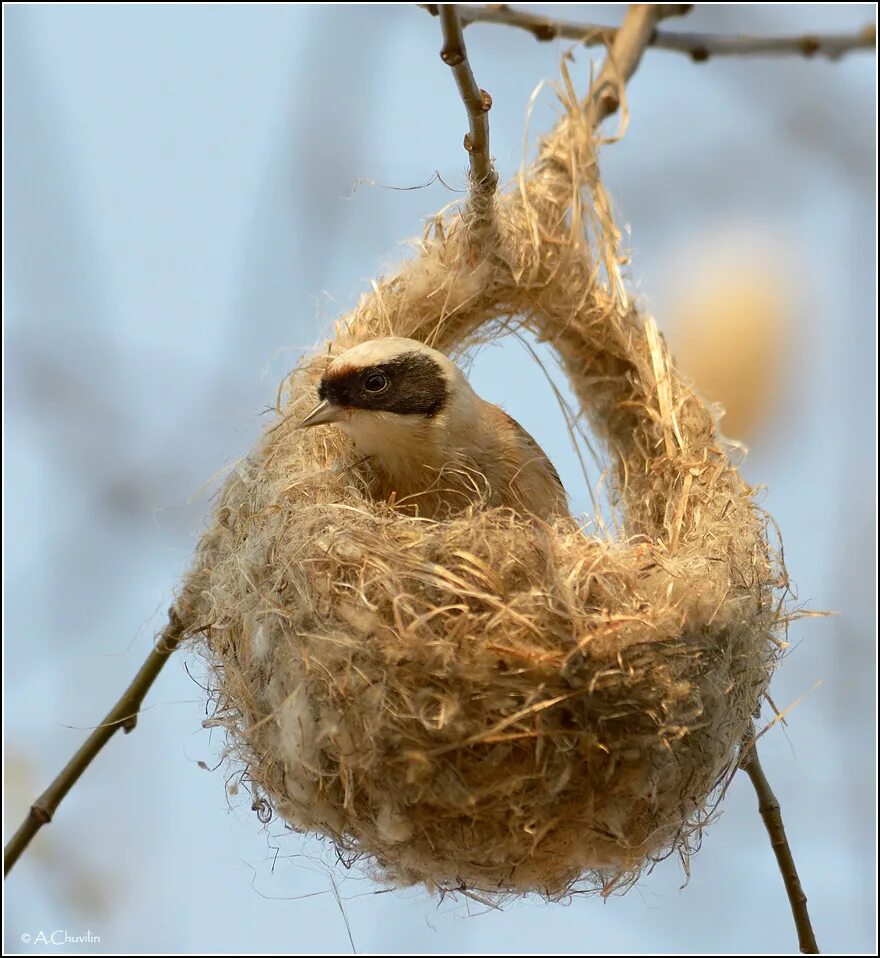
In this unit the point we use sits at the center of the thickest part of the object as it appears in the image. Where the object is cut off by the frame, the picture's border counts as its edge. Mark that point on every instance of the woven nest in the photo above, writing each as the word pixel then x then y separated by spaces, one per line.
pixel 489 702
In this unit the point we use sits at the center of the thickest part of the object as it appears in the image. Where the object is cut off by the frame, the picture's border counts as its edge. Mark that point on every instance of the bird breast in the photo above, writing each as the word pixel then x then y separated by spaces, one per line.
pixel 462 458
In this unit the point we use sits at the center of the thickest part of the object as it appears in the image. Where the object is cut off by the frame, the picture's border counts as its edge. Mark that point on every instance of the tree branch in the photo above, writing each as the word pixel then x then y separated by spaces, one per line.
pixel 698 46
pixel 768 806
pixel 628 42
pixel 477 102
pixel 625 53
pixel 123 715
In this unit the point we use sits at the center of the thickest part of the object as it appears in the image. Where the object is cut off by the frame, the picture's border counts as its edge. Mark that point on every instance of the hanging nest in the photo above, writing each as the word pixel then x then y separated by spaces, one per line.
pixel 491 703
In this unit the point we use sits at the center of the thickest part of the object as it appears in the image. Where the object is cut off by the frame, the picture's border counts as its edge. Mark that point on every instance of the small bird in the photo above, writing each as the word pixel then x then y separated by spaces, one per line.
pixel 435 445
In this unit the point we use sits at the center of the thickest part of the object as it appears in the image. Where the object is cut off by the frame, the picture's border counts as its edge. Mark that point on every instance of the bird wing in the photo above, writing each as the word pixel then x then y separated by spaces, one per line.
pixel 533 472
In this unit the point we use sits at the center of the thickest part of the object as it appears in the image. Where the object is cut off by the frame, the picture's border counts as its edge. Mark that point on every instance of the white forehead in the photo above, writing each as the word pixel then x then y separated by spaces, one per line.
pixel 376 351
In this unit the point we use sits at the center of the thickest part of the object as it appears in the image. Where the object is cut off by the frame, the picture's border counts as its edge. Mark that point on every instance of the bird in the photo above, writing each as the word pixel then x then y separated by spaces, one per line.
pixel 436 447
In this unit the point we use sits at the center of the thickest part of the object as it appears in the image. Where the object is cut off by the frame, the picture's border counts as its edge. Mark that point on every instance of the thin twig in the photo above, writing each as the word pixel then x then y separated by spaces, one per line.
pixel 625 53
pixel 768 806
pixel 698 46
pixel 477 102
pixel 123 715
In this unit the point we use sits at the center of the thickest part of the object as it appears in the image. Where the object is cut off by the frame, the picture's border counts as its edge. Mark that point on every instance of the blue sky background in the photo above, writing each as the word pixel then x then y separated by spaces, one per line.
pixel 181 221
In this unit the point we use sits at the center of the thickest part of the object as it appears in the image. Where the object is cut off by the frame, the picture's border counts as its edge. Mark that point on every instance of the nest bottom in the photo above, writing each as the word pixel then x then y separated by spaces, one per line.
pixel 480 703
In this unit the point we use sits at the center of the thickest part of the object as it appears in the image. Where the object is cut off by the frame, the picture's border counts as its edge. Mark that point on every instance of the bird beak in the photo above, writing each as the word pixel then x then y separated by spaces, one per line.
pixel 324 412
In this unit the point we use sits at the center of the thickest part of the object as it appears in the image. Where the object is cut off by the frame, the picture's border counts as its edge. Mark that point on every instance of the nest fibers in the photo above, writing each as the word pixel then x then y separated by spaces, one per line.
pixel 490 703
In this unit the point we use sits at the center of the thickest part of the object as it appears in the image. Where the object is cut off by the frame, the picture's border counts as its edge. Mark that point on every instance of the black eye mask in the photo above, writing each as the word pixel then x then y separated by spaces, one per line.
pixel 414 385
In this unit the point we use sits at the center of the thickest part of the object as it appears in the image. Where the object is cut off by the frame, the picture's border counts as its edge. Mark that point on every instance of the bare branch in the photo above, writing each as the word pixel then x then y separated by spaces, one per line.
pixel 698 46
pixel 768 806
pixel 477 102
pixel 627 45
pixel 123 715
pixel 625 54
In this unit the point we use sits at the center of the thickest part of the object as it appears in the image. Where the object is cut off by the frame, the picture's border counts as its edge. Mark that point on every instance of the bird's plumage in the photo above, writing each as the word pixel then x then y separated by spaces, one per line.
pixel 436 446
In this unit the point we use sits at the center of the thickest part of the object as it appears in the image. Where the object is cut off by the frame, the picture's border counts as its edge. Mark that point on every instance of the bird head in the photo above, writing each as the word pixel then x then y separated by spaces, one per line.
pixel 391 391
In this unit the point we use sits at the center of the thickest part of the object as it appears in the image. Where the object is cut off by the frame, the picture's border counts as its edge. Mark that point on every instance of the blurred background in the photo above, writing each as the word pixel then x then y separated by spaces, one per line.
pixel 192 196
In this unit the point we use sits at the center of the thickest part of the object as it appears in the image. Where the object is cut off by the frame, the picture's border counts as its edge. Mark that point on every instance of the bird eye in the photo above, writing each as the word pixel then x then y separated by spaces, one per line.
pixel 376 382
